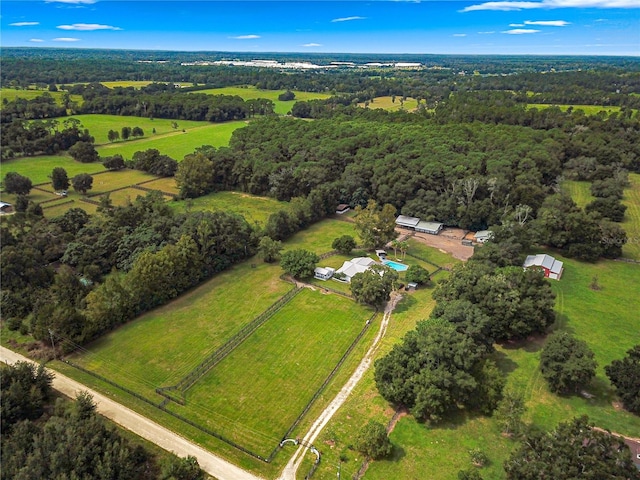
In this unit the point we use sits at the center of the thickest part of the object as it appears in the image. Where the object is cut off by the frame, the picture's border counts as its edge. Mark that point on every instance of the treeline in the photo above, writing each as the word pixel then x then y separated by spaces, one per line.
pixel 45 437
pixel 43 106
pixel 46 137
pixel 154 102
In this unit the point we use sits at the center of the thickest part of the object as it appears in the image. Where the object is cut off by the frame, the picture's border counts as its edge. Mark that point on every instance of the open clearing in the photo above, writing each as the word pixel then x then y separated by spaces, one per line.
pixel 587 109
pixel 176 144
pixel 388 103
pixel 579 191
pixel 253 208
pixel 249 92
pixel 39 168
pixel 631 221
pixel 11 94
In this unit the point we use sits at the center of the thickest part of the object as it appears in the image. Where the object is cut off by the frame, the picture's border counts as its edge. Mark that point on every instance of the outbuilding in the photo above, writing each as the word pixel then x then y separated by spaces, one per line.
pixel 323 273
pixel 5 207
pixel 483 236
pixel 407 222
pixel 342 208
pixel 432 228
pixel 552 268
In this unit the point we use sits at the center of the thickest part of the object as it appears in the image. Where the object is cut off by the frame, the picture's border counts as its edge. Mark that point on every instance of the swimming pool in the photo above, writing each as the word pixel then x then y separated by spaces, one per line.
pixel 399 267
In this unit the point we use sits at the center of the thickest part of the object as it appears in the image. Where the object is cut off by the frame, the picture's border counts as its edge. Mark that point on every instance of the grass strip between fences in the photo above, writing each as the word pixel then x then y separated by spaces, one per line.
pixel 324 385
pixel 222 352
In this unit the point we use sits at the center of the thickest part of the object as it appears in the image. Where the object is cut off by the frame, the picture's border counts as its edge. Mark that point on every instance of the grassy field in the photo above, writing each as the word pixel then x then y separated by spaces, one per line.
pixel 190 328
pixel 387 103
pixel 587 109
pixel 99 126
pixel 166 184
pixel 247 93
pixel 580 192
pixel 11 94
pixel 288 357
pixel 39 168
pixel 253 208
pixel 631 222
pixel 319 236
pixel 176 144
pixel 126 196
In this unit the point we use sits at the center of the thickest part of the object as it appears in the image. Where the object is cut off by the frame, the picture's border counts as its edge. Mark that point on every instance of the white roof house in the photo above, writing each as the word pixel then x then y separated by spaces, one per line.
pixel 407 222
pixel 483 235
pixel 323 273
pixel 552 268
pixel 354 266
pixel 429 227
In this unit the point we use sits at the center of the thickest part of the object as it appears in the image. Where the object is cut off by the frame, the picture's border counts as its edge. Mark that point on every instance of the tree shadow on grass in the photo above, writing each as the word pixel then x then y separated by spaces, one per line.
pixel 407 302
pixel 504 363
pixel 531 344
pixel 397 454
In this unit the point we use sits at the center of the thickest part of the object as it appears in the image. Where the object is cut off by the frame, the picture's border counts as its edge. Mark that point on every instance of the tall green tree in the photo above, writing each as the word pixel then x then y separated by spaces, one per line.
pixel 269 249
pixel 84 152
pixel 344 244
pixel 374 286
pixel 566 363
pixel 195 176
pixel 373 441
pixel 15 183
pixel 509 412
pixel 59 179
pixel 82 183
pixel 299 263
pixel 375 225
pixel 574 449
pixel 624 374
pixel 113 135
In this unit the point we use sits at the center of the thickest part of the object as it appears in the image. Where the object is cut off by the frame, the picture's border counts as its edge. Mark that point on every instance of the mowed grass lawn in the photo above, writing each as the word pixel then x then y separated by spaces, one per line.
pixel 161 346
pixel 176 144
pixel 39 168
pixel 587 109
pixel 388 103
pixel 249 92
pixel 631 221
pixel 99 126
pixel 253 208
pixel 254 395
pixel 580 192
pixel 11 94
pixel 318 237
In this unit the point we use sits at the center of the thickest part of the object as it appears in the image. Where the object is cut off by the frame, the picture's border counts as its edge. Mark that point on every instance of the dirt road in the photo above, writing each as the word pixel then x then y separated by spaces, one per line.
pixel 289 472
pixel 142 426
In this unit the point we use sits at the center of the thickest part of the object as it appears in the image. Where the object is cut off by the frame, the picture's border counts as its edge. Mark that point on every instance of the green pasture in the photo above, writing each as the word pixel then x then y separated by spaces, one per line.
pixel 318 237
pixel 579 191
pixel 177 143
pixel 55 209
pixel 587 109
pixel 250 92
pixel 126 196
pixel 99 126
pixel 631 222
pixel 165 184
pixel 161 346
pixel 253 208
pixel 388 103
pixel 254 395
pixel 39 168
pixel 11 94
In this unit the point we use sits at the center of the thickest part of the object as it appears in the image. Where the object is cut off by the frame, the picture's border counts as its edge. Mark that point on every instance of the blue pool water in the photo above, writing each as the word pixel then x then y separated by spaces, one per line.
pixel 399 267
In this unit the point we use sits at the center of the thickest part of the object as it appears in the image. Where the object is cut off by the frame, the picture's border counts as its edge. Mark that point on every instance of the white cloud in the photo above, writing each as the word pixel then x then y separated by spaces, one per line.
pixel 487 33
pixel 459 34
pixel 24 24
pixel 312 45
pixel 516 24
pixel 246 37
pixel 548 23
pixel 520 31
pixel 347 19
pixel 66 39
pixel 527 5
pixel 87 27
pixel 36 40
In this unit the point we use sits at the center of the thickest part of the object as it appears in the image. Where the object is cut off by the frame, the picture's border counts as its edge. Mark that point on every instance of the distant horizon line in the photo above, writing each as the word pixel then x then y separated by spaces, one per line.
pixel 316 53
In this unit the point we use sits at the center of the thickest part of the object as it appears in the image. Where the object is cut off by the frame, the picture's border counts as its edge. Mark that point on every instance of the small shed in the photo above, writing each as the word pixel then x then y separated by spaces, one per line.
pixel 552 268
pixel 407 222
pixel 483 235
pixel 382 254
pixel 323 273
pixel 5 207
pixel 342 208
pixel 411 286
pixel 432 228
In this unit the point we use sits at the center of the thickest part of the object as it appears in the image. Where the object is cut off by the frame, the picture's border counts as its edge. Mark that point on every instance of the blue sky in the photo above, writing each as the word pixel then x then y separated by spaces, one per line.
pixel 549 27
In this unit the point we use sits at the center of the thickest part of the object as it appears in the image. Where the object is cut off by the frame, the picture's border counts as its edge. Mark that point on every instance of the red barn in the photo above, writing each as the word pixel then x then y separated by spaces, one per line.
pixel 552 268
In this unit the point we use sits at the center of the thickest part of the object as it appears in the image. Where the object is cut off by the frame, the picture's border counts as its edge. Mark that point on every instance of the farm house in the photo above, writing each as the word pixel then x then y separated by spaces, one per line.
pixel 354 266
pixel 552 268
